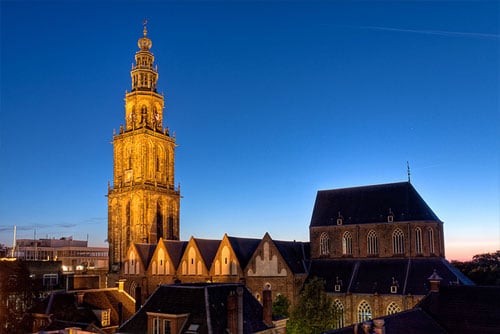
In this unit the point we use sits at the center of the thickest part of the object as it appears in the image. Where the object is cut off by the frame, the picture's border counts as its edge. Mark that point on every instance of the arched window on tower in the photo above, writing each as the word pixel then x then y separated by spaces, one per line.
pixel 418 240
pixel 324 244
pixel 372 243
pixel 159 222
pixel 430 233
pixel 347 244
pixel 398 241
pixel 364 311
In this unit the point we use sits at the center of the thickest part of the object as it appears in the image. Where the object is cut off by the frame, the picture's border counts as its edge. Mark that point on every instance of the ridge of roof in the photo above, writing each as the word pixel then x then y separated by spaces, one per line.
pixel 145 252
pixel 243 248
pixel 370 204
pixel 208 249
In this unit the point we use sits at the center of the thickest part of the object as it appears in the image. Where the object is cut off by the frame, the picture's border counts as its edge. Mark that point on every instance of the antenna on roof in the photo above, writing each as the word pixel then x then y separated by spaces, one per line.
pixel 408 171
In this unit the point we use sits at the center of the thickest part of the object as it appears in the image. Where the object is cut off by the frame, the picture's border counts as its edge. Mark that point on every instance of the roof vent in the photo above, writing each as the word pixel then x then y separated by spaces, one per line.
pixel 339 219
pixel 390 216
pixel 394 286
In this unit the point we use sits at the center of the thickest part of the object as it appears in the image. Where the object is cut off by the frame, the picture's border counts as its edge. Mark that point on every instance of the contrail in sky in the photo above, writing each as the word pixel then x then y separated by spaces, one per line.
pixel 433 32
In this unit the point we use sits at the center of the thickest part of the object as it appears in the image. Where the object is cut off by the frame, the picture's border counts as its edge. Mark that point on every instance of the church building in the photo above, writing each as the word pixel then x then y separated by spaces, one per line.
pixel 374 246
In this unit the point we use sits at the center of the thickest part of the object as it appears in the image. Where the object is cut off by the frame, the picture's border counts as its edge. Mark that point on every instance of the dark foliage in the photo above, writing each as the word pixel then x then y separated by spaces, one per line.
pixel 484 269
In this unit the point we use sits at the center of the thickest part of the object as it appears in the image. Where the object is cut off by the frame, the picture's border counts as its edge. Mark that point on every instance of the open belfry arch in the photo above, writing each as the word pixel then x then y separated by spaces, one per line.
pixel 143 201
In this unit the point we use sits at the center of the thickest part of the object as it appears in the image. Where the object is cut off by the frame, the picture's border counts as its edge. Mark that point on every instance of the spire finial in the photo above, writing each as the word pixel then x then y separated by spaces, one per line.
pixel 145 23
pixel 408 171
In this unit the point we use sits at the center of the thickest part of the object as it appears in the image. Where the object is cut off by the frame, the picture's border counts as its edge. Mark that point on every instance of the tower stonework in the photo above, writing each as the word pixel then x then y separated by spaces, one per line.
pixel 143 202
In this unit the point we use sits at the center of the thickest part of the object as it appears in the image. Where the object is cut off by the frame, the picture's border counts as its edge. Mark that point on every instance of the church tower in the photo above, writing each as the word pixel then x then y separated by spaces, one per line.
pixel 143 202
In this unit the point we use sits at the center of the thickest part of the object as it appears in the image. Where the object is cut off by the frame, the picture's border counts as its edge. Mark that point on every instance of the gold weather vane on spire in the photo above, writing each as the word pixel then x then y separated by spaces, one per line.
pixel 145 23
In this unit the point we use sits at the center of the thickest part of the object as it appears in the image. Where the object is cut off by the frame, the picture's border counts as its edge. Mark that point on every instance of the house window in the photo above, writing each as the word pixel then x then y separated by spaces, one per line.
pixel 166 327
pixel 430 233
pixel 364 311
pixel 347 244
pixel 324 244
pixel 338 314
pixel 393 308
pixel 372 242
pixel 50 280
pixel 398 241
pixel 156 325
pixel 105 318
pixel 418 240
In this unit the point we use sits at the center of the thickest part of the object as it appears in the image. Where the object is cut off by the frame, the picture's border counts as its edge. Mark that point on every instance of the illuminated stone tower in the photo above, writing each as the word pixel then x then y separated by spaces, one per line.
pixel 143 202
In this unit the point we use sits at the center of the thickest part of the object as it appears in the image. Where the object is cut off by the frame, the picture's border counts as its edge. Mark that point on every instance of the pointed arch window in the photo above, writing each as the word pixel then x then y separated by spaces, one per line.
pixel 372 243
pixel 393 308
pixel 324 244
pixel 347 244
pixel 398 241
pixel 364 311
pixel 430 234
pixel 338 314
pixel 418 240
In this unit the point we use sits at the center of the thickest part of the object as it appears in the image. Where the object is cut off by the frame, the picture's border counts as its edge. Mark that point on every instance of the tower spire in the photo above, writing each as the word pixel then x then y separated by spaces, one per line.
pixel 408 171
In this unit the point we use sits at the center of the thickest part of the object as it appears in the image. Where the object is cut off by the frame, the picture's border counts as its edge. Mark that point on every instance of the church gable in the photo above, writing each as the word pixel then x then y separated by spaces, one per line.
pixel 138 258
pixel 225 262
pixel 267 260
pixel 198 257
pixel 161 262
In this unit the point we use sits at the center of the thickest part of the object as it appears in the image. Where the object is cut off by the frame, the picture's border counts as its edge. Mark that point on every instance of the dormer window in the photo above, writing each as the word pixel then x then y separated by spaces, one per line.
pixel 338 284
pixel 390 216
pixel 394 286
pixel 339 219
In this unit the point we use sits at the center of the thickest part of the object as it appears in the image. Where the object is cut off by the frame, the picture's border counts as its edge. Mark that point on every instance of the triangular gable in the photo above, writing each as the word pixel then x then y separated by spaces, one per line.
pixel 175 249
pixel 145 252
pixel 267 260
pixel 198 256
pixel 138 258
pixel 208 248
pixel 165 258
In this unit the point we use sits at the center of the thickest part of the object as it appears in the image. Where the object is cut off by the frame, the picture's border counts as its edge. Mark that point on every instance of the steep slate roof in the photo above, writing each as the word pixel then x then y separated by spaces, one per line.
pixel 370 204
pixel 295 254
pixel 464 309
pixel 206 305
pixel 375 275
pixel 454 309
pixel 208 249
pixel 243 248
pixel 145 252
pixel 414 321
pixel 175 249
pixel 66 312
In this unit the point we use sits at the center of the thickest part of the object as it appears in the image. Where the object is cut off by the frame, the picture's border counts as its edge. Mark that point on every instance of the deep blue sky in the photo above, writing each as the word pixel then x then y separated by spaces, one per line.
pixel 270 101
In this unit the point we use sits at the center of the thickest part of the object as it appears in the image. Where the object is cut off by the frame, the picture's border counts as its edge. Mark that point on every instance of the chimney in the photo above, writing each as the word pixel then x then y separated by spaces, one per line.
pixel 120 313
pixel 232 313
pixel 121 283
pixel 267 307
pixel 79 298
pixel 138 298
pixel 367 325
pixel 435 281
pixel 379 326
pixel 239 292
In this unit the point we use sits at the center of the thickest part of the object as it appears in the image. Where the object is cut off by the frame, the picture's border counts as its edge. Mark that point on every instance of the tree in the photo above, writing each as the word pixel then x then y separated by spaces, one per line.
pixel 314 311
pixel 484 269
pixel 281 307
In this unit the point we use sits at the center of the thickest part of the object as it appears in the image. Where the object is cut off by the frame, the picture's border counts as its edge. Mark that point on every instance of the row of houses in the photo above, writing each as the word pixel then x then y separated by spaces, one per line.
pixel 260 264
